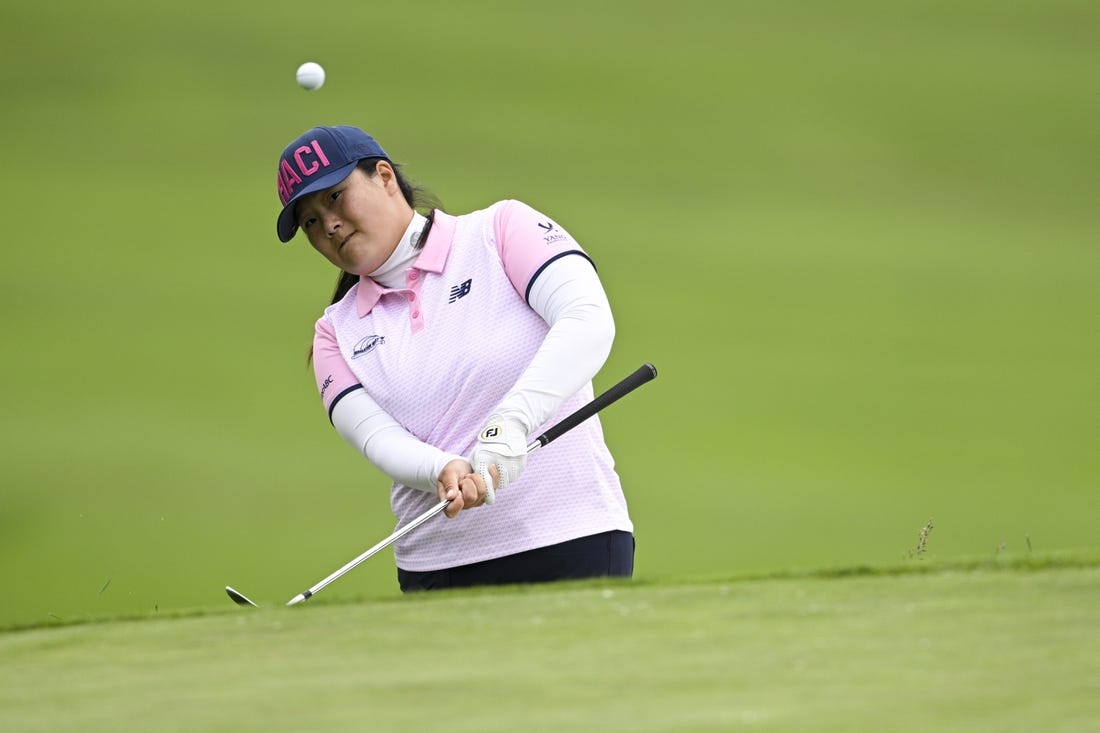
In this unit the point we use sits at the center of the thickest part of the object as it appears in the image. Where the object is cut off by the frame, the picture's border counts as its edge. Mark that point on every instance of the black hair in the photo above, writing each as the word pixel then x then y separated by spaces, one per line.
pixel 420 199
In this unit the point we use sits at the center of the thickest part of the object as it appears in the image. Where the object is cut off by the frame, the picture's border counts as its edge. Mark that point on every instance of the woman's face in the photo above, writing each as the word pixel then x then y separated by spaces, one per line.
pixel 357 223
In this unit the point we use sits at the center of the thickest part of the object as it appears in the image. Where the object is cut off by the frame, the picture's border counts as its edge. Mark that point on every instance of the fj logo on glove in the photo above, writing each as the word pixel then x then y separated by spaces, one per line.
pixel 490 432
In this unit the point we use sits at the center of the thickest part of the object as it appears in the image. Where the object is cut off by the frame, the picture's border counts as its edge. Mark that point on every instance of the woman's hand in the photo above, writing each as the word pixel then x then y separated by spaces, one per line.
pixel 464 488
pixel 501 446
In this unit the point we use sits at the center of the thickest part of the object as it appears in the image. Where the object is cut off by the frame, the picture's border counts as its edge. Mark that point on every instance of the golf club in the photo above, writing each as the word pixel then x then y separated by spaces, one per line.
pixel 239 598
pixel 640 376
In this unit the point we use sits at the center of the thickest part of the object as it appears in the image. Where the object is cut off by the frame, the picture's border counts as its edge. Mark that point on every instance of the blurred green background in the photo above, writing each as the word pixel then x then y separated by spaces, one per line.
pixel 859 240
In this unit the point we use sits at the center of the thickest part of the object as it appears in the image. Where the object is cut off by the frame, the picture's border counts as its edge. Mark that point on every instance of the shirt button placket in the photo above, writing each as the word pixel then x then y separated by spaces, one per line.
pixel 412 279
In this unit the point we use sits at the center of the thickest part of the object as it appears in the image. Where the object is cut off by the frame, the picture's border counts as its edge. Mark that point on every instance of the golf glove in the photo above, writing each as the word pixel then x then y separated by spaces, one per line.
pixel 502 442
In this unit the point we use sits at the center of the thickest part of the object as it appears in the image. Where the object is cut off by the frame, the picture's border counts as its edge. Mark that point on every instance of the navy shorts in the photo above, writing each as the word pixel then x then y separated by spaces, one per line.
pixel 609 554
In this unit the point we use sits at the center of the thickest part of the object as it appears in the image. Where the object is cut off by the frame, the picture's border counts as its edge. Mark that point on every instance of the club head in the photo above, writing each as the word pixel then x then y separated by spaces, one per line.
pixel 239 598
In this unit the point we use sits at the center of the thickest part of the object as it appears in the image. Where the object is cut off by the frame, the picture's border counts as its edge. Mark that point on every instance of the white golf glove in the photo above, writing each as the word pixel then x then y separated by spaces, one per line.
pixel 503 442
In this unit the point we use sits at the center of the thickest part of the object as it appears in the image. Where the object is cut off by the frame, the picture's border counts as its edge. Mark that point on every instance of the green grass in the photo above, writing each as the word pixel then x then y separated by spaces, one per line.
pixel 858 240
pixel 1008 646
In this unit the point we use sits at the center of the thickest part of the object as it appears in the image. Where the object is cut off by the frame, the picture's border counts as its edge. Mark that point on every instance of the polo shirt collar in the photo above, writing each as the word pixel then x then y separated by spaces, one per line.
pixel 433 257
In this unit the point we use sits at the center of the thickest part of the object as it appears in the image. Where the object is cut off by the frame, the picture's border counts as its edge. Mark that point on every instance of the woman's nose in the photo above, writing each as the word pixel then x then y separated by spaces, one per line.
pixel 332 224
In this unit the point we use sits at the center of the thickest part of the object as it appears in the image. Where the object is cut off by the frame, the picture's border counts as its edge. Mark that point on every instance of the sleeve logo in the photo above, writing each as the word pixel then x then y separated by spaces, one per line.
pixel 553 234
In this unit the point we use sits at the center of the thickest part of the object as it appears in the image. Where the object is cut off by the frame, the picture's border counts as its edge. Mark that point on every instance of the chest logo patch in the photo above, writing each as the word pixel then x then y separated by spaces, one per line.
pixel 460 291
pixel 367 345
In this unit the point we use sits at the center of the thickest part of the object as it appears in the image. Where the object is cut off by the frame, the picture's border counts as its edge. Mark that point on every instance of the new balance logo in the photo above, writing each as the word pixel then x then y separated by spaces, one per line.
pixel 459 291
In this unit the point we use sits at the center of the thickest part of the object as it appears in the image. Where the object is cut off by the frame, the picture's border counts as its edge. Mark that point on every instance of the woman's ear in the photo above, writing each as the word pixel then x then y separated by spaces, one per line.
pixel 386 175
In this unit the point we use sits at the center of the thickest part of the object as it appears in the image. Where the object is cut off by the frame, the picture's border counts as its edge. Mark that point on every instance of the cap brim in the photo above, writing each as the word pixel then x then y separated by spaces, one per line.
pixel 287 223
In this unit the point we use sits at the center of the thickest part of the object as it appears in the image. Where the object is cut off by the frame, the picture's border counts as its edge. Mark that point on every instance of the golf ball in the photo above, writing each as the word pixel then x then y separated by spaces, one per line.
pixel 311 75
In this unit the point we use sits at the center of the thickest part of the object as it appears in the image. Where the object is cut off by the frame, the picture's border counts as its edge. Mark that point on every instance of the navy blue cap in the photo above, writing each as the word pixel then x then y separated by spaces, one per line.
pixel 318 159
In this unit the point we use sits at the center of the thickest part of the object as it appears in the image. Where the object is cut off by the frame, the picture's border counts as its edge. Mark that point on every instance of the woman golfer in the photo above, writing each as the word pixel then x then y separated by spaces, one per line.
pixel 449 341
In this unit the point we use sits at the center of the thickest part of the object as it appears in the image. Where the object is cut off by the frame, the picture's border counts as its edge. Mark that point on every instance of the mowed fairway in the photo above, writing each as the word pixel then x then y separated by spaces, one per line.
pixel 982 650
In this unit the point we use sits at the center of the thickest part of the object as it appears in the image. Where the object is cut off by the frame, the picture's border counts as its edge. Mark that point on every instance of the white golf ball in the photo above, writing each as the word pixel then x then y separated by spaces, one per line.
pixel 311 75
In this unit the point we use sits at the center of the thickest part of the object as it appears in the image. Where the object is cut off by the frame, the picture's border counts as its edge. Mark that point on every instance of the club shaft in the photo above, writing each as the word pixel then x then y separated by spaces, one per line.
pixel 383 544
pixel 372 551
pixel 640 376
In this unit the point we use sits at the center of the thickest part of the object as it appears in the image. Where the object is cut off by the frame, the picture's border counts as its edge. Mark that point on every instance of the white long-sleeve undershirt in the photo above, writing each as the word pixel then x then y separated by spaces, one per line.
pixel 569 296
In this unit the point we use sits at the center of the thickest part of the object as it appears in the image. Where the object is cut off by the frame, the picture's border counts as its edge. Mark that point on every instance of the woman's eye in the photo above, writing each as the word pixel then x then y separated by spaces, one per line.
pixel 334 195
pixel 307 223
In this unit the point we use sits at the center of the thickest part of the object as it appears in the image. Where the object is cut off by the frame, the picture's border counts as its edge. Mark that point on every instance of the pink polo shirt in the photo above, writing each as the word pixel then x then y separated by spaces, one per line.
pixel 439 354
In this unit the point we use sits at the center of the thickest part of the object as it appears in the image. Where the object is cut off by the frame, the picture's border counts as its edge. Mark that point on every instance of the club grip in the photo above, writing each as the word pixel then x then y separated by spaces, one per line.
pixel 640 376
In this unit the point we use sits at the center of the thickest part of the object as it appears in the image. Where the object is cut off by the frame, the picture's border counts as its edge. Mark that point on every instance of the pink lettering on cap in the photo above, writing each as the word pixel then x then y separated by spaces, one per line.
pixel 308 159
pixel 287 180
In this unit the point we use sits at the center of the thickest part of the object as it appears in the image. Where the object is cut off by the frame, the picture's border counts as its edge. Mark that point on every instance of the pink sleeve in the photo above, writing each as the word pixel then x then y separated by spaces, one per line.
pixel 334 379
pixel 528 241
